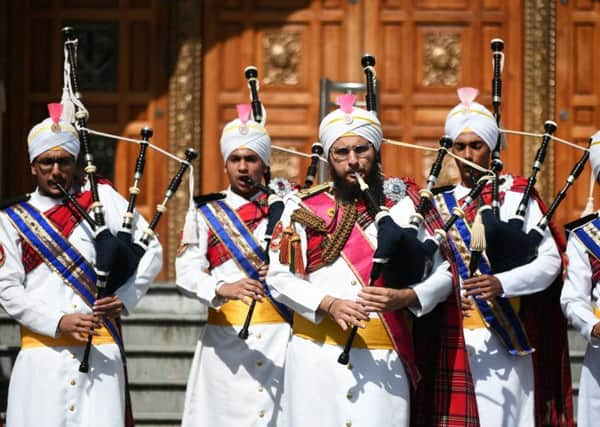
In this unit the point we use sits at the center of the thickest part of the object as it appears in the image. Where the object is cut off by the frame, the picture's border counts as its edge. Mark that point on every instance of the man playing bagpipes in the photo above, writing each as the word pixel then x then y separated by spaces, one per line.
pixel 235 381
pixel 321 254
pixel 580 299
pixel 521 372
pixel 48 285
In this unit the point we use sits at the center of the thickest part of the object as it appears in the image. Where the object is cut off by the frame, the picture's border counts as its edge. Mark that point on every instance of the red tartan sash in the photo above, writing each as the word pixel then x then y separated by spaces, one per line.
pixel 251 214
pixel 595 264
pixel 65 219
pixel 541 312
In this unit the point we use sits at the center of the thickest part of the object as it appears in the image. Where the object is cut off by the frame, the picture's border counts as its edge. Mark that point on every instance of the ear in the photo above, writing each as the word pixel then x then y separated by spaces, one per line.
pixel 33 170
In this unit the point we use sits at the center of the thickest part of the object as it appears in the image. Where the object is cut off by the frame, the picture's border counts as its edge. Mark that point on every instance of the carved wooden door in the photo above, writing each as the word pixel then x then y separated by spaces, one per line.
pixel 425 49
pixel 120 45
pixel 577 95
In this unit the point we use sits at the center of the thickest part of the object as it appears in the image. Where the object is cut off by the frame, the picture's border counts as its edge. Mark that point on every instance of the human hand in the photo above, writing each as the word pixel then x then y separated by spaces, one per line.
pixel 110 307
pixel 484 286
pixel 345 313
pixel 78 325
pixel 466 306
pixel 379 299
pixel 244 290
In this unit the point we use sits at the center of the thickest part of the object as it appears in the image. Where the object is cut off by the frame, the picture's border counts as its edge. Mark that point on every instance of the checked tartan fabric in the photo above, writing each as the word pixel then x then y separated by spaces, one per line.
pixel 552 373
pixel 446 394
pixel 251 213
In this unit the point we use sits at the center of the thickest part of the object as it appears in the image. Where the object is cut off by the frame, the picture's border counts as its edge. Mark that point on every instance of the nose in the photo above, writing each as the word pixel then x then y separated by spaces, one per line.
pixel 243 165
pixel 352 159
pixel 468 153
pixel 55 171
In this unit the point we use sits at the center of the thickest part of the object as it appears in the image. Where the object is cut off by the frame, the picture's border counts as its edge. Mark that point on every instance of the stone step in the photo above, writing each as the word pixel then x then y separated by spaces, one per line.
pixel 165 298
pixel 162 330
pixel 158 419
pixel 159 363
pixel 157 397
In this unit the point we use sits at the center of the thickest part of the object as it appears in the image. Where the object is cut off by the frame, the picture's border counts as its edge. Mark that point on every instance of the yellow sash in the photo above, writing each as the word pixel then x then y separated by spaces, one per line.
pixel 234 313
pixel 374 336
pixel 475 321
pixel 597 312
pixel 30 339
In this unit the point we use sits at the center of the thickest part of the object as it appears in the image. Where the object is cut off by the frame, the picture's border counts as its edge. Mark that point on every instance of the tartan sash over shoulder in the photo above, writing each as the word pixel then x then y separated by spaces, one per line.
pixel 59 255
pixel 239 242
pixel 445 395
pixel 499 315
pixel 358 254
pixel 541 312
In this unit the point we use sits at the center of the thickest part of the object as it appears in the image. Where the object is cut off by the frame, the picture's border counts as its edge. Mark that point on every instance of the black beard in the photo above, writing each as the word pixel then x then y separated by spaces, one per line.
pixel 346 192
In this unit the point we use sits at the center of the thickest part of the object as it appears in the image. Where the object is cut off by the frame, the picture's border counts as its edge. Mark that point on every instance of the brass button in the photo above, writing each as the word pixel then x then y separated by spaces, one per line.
pixel 260 388
pixel 261 413
pixel 350 366
pixel 258 335
pixel 73 382
pixel 71 407
pixel 348 423
pixel 74 305
pixel 73 355
pixel 349 395
pixel 354 283
pixel 259 363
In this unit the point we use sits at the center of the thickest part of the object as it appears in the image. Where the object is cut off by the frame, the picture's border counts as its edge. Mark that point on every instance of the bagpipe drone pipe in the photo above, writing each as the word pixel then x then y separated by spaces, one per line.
pixel 117 256
pixel 507 245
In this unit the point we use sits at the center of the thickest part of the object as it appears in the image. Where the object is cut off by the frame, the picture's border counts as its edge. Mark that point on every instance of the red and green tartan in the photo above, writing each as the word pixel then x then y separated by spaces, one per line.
pixel 551 364
pixel 446 394
pixel 251 214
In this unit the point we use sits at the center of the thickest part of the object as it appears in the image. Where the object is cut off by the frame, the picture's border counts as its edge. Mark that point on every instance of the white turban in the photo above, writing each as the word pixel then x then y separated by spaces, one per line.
pixel 471 116
pixel 48 135
pixel 245 133
pixel 595 154
pixel 349 120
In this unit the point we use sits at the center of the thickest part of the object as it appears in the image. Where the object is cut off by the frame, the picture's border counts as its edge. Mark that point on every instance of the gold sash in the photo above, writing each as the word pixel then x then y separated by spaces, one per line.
pixel 374 336
pixel 475 321
pixel 234 313
pixel 30 339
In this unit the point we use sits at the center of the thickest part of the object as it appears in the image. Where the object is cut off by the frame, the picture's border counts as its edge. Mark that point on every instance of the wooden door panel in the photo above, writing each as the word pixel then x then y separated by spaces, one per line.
pixel 577 96
pixel 120 45
pixel 423 56
pixel 293 45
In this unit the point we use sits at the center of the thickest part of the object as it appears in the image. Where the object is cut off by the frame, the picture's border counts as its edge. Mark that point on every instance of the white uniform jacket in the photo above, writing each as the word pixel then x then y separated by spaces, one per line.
pixel 46 387
pixel 232 381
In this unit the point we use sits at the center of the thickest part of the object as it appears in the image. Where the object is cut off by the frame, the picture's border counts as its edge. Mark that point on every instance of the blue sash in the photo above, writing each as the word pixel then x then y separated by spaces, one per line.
pixel 589 236
pixel 498 314
pixel 240 243
pixel 59 255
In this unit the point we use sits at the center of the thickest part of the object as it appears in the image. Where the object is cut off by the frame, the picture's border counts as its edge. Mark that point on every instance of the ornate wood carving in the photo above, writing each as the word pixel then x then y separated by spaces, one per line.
pixel 185 91
pixel 539 83
pixel 282 53
pixel 442 59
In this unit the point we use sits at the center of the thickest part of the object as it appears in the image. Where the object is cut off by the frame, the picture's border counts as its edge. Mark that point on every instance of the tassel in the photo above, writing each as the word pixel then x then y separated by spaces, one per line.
pixel 478 242
pixel 284 252
pixel 589 206
pixel 296 261
pixel 190 228
pixel 68 112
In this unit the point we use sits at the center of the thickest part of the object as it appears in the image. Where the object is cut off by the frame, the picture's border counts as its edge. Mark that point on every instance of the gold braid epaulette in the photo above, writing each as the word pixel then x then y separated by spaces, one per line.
pixel 335 242
pixel 307 192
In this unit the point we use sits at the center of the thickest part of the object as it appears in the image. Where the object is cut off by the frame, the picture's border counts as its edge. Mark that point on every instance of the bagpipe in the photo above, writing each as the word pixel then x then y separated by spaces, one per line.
pixel 275 200
pixel 401 258
pixel 117 256
pixel 507 245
